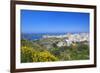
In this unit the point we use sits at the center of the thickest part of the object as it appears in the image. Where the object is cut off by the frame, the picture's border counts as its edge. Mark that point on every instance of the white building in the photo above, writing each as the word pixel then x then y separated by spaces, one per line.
pixel 69 42
pixel 61 43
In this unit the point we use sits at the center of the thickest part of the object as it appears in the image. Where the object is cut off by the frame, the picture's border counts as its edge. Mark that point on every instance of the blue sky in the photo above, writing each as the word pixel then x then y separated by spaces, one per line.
pixel 53 22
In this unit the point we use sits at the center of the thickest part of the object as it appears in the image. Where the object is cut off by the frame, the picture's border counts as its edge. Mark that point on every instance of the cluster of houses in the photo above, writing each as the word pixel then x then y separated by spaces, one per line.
pixel 69 38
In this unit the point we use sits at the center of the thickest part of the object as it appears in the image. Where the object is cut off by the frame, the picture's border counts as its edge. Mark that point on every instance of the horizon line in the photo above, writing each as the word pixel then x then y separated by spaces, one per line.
pixel 54 32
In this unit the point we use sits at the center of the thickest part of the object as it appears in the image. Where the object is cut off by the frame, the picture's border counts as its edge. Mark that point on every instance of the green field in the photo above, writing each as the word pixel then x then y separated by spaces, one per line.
pixel 46 50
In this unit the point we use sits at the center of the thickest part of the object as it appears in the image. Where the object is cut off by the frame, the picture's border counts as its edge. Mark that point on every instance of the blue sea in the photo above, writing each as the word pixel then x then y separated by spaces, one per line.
pixel 37 36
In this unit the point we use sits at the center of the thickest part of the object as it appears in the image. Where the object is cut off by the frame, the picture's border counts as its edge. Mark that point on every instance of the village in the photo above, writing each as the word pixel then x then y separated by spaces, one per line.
pixel 65 40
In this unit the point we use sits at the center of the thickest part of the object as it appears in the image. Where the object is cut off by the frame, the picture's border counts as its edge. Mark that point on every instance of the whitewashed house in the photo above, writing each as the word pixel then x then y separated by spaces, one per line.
pixel 61 43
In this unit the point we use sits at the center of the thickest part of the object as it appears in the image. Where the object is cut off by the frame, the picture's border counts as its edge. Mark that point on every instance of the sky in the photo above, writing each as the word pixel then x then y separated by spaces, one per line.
pixel 33 21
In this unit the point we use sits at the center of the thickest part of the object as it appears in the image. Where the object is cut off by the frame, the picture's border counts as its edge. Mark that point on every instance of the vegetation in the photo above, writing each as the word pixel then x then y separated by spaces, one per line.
pixel 36 51
pixel 33 53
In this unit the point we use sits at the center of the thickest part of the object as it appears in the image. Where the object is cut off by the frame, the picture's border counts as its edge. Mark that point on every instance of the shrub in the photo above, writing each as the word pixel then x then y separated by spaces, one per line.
pixel 31 55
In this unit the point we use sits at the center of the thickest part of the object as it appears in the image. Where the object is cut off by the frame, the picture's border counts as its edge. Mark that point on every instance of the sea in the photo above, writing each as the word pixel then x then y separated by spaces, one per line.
pixel 38 36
